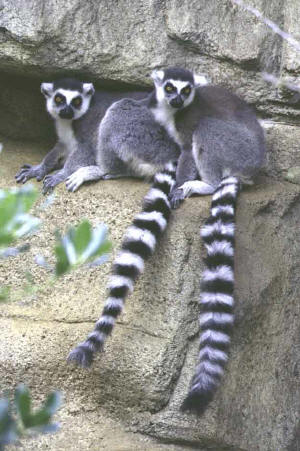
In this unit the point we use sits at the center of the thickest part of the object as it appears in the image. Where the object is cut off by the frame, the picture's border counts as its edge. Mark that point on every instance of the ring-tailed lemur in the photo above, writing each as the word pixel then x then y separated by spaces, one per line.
pixel 67 100
pixel 223 144
pixel 131 131
pixel 76 128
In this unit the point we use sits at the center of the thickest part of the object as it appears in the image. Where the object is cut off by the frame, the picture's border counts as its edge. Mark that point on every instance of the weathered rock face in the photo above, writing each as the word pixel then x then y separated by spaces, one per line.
pixel 144 373
pixel 119 44
pixel 124 41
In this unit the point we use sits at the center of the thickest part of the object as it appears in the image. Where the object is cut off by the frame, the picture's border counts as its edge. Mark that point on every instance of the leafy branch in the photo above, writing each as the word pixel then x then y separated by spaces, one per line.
pixel 24 421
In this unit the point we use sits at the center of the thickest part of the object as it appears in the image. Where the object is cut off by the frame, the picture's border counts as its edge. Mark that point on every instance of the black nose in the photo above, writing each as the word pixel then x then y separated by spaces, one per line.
pixel 66 113
pixel 176 102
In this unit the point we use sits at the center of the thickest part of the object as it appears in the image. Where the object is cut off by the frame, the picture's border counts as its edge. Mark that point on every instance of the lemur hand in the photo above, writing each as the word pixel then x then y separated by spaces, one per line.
pixel 176 197
pixel 49 182
pixel 28 171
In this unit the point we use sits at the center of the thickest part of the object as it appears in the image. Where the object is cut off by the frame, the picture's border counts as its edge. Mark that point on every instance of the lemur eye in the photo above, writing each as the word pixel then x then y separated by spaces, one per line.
pixel 169 88
pixel 186 91
pixel 58 99
pixel 77 101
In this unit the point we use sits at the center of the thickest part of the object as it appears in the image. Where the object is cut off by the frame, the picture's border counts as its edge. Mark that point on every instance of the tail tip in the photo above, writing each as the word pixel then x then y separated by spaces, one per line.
pixel 196 402
pixel 81 356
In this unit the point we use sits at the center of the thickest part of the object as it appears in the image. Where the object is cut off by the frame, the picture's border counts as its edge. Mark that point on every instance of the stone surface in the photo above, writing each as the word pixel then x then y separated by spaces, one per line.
pixel 293 175
pixel 122 43
pixel 282 148
pixel 144 373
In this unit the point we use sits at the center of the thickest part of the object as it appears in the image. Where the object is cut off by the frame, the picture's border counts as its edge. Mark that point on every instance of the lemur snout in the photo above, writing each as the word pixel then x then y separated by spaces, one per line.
pixel 66 113
pixel 177 102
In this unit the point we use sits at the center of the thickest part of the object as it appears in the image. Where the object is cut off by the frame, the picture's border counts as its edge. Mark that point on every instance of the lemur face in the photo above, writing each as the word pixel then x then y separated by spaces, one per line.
pixel 175 87
pixel 67 98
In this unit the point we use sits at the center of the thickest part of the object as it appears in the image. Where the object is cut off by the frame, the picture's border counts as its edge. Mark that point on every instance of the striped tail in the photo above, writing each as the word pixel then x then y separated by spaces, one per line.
pixel 138 244
pixel 216 299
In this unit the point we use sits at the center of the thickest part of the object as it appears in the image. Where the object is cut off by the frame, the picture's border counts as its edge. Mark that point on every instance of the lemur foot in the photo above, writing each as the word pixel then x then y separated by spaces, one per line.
pixel 188 188
pixel 27 172
pixel 49 183
pixel 75 180
pixel 176 197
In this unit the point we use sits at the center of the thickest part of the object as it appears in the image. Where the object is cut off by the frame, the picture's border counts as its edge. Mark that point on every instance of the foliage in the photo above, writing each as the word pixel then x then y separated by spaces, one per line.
pixel 80 245
pixel 24 421
pixel 15 222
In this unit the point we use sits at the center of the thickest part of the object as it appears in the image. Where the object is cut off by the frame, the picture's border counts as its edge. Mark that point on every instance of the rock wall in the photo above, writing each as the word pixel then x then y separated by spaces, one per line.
pixel 144 373
pixel 118 44
pixel 148 363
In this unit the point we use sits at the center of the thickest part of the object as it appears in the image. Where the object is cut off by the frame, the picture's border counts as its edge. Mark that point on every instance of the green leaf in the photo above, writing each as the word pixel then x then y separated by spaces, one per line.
pixel 4 294
pixel 82 236
pixel 23 404
pixel 41 419
pixel 15 221
pixel 8 430
pixel 53 402
pixel 79 246
pixel 62 264
pixel 104 249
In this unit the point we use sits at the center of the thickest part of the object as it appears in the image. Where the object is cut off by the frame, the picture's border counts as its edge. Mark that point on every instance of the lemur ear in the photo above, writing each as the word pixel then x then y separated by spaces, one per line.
pixel 88 89
pixel 47 89
pixel 157 76
pixel 201 80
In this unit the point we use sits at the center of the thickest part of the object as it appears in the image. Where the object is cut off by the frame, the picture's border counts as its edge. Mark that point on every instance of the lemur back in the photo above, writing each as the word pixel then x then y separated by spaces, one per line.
pixel 130 143
pixel 87 127
pixel 129 135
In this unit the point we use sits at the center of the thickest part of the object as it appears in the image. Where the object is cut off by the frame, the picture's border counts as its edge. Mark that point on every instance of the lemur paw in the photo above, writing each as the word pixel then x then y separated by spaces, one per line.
pixel 74 181
pixel 176 197
pixel 27 172
pixel 188 188
pixel 49 182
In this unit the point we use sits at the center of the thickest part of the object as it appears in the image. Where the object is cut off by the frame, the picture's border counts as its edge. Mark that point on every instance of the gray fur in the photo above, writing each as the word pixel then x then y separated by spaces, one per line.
pixel 226 148
pixel 130 144
pixel 220 137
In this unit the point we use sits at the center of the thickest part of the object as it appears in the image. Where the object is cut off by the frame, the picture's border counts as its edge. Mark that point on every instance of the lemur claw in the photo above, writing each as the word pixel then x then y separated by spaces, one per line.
pixel 48 184
pixel 27 172
pixel 176 197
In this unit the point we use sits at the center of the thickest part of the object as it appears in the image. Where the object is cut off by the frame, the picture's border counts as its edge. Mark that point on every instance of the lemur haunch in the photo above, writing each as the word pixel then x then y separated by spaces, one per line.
pixel 223 144
pixel 67 100
pixel 130 144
